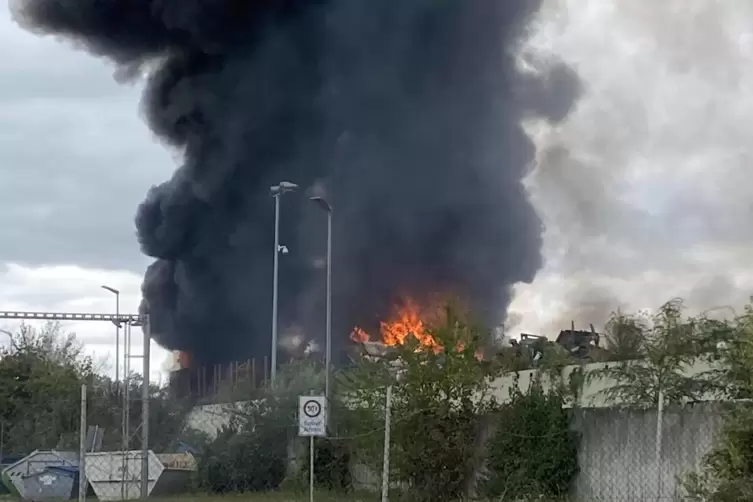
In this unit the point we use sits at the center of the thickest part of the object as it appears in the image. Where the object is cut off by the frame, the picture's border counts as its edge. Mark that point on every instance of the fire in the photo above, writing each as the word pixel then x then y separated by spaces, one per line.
pixel 358 335
pixel 406 322
pixel 182 359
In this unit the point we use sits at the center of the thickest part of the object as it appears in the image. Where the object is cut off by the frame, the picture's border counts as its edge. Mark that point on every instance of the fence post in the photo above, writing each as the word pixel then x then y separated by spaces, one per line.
pixel 82 448
pixel 386 461
pixel 659 421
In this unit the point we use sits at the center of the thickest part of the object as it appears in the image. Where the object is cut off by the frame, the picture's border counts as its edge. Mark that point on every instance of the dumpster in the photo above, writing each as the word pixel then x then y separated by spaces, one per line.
pixel 179 470
pixel 116 475
pixel 36 461
pixel 6 461
pixel 52 483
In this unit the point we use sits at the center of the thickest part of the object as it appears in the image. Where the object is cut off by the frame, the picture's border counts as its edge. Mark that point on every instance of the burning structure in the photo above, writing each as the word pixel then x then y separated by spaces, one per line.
pixel 406 115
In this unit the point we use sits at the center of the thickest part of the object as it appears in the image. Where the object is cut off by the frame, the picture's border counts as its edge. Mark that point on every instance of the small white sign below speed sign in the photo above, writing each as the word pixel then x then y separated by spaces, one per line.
pixel 312 416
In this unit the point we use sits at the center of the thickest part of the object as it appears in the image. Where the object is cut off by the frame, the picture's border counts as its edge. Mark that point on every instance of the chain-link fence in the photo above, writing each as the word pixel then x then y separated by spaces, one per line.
pixel 245 439
pixel 618 457
pixel 636 455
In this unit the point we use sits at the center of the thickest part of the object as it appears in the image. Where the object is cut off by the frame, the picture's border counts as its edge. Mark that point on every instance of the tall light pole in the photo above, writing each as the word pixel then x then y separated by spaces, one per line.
pixel 277 192
pixel 117 335
pixel 321 202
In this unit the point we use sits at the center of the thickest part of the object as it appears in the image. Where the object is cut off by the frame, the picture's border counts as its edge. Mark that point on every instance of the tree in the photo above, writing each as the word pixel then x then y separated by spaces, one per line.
pixel 669 346
pixel 439 395
pixel 251 453
pixel 167 415
pixel 40 396
pixel 625 337
pixel 40 379
pixel 727 473
pixel 533 453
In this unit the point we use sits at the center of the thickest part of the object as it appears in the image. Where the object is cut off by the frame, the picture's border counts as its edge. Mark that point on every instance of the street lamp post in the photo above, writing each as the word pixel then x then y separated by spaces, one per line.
pixel 328 334
pixel 277 192
pixel 117 334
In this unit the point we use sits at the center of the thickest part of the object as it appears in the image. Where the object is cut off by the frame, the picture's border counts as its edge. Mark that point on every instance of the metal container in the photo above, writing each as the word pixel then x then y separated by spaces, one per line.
pixel 36 462
pixel 53 483
pixel 178 474
pixel 116 475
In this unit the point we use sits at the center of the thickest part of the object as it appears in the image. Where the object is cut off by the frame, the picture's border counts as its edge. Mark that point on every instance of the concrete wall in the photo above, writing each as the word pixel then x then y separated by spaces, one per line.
pixel 592 393
pixel 618 448
pixel 210 418
pixel 618 456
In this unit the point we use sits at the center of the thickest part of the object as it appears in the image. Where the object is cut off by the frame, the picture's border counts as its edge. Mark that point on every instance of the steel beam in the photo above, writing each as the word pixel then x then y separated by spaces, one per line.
pixel 68 316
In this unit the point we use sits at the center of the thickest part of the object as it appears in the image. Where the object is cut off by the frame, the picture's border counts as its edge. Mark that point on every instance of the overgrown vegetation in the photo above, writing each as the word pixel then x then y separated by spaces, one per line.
pixel 533 453
pixel 727 473
pixel 250 454
pixel 438 397
pixel 442 405
pixel 656 354
pixel 40 396
pixel 331 465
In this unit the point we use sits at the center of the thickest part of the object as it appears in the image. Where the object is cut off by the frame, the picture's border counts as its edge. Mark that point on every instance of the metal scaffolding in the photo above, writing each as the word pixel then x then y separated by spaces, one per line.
pixel 67 316
pixel 129 320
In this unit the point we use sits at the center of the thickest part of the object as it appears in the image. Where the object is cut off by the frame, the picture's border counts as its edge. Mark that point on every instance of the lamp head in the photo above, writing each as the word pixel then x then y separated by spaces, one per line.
pixel 321 202
pixel 283 187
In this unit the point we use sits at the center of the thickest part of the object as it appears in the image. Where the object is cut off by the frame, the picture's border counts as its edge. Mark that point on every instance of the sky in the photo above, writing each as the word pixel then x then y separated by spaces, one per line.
pixel 645 190
pixel 75 161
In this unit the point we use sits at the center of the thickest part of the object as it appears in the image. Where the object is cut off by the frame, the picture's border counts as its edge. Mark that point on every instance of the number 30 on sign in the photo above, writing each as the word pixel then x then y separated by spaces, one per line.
pixel 312 416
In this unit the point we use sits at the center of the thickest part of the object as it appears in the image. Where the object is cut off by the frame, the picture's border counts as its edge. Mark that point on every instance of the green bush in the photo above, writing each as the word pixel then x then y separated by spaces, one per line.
pixel 726 474
pixel 244 459
pixel 251 454
pixel 533 453
pixel 331 465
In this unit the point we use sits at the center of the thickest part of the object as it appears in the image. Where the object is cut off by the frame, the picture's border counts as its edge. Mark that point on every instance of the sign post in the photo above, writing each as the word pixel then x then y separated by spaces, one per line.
pixel 312 422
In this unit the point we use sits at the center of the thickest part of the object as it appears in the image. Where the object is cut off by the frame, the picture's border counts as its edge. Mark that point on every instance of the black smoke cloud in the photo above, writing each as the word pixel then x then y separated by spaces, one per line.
pixel 405 113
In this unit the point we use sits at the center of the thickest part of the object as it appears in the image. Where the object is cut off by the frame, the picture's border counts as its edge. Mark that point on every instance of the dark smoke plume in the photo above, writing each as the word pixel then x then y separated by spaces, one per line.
pixel 405 113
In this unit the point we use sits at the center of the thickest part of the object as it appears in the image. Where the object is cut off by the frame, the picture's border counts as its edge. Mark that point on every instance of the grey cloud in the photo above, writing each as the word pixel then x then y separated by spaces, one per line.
pixel 652 171
pixel 75 158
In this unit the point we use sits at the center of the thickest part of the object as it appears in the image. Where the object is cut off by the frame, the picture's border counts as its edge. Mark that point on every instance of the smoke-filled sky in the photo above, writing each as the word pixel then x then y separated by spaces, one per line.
pixel 643 189
pixel 646 188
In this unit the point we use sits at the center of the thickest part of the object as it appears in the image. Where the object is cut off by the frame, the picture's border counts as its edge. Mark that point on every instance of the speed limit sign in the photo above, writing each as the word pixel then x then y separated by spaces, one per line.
pixel 312 416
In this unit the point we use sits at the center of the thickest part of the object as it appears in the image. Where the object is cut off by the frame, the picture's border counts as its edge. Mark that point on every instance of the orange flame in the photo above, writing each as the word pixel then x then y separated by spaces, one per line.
pixel 478 353
pixel 405 322
pixel 182 359
pixel 358 335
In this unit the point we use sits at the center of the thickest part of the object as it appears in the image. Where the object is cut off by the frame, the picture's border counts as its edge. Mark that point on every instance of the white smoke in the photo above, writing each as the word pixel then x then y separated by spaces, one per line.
pixel 646 188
